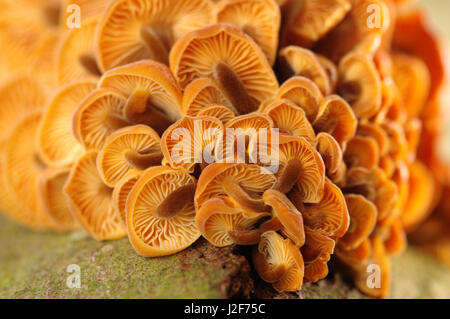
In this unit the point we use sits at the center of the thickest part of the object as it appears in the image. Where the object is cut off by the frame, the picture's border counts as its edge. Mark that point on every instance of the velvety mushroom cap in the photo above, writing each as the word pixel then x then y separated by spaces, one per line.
pixel 308 21
pixel 131 31
pixel 279 261
pixel 56 143
pixel 224 224
pixel 220 112
pixel 160 212
pixel 54 204
pixel 303 92
pixel 90 200
pixel 290 118
pixel 192 140
pixel 297 61
pixel 336 117
pixel 243 184
pixel 201 93
pixel 362 152
pixel 133 147
pixel 153 96
pixel 359 84
pixel 230 57
pixel 98 116
pixel 76 57
pixel 331 154
pixel 363 218
pixel 260 19
pixel 121 191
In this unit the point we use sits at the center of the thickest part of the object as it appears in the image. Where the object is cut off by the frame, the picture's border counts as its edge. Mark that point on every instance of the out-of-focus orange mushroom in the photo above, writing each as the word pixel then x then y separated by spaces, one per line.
pixel 396 241
pixel 362 152
pixel 279 261
pixel 260 19
pixel 135 30
pixel 133 147
pixel 88 10
pixel 330 69
pixel 90 200
pixel 230 57
pixel 160 212
pixel 376 132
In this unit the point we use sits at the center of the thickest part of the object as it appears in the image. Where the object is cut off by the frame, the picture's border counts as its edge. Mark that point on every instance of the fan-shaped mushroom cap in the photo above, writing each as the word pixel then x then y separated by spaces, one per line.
pixel 121 191
pixel 329 216
pixel 285 217
pixel 22 169
pixel 413 81
pixel 308 21
pixel 363 218
pixel 133 147
pixel 231 58
pixel 154 97
pixel 56 143
pixel 222 113
pixel 330 69
pixel 98 116
pixel 360 84
pixel 224 224
pixel 421 192
pixel 336 117
pixel 160 212
pixel 185 143
pixel 397 146
pixel 362 152
pixel 54 204
pixel 297 61
pixel 243 184
pixel 76 58
pixel 357 256
pixel 316 253
pixel 260 19
pixel 331 154
pixel 375 131
pixel 373 185
pixel 396 242
pixel 201 93
pixel 132 31
pixel 290 119
pixel 279 261
pixel 302 92
pixel 90 200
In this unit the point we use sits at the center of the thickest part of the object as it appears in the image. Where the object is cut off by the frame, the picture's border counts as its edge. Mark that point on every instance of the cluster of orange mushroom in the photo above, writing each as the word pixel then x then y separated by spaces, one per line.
pixel 91 117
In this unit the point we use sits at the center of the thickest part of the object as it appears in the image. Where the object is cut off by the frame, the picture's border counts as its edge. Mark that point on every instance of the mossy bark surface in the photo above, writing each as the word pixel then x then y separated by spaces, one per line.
pixel 34 265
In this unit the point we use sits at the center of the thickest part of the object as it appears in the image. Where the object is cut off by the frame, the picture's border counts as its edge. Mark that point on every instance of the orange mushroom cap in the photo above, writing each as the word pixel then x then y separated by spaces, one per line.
pixel 331 154
pixel 121 191
pixel 362 152
pixel 222 113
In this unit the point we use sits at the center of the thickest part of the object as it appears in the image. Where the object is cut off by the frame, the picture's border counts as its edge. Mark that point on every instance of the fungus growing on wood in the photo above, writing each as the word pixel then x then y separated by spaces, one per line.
pixel 239 68
pixel 131 31
pixel 90 200
pixel 133 147
pixel 160 212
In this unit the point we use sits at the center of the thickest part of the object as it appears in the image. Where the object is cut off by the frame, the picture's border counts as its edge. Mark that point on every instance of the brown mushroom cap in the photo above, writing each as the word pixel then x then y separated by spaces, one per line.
pixel 336 117
pixel 90 200
pixel 363 218
pixel 260 19
pixel 76 58
pixel 56 143
pixel 98 116
pixel 154 97
pixel 121 191
pixel 279 261
pixel 298 61
pixel 54 204
pixel 222 113
pixel 133 147
pixel 302 92
pixel 285 217
pixel 360 84
pixel 290 118
pixel 132 31
pixel 224 224
pixel 243 184
pixel 362 152
pixel 201 93
pixel 239 67
pixel 160 212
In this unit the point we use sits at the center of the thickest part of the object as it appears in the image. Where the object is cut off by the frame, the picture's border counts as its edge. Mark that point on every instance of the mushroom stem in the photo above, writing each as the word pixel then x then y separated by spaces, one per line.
pixel 175 202
pixel 289 176
pixel 142 161
pixel 116 122
pixel 238 194
pixel 232 86
pixel 155 46
pixel 244 236
pixel 89 63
